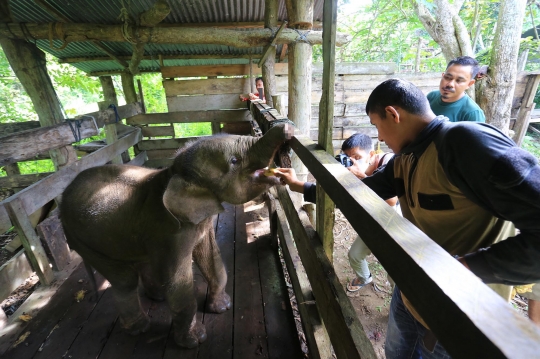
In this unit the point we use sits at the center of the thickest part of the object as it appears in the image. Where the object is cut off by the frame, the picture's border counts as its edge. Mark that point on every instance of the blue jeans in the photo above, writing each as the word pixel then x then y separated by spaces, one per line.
pixel 405 335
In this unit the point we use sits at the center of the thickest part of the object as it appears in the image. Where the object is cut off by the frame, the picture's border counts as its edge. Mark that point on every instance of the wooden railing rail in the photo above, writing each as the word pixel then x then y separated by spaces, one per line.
pixel 30 143
pixel 469 319
pixel 14 210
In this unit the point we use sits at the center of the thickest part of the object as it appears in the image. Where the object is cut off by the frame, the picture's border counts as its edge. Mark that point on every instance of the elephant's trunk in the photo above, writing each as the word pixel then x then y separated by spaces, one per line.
pixel 263 151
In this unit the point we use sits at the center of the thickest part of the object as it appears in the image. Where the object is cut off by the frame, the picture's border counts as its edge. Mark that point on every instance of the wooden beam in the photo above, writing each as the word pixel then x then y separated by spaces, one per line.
pixel 163 35
pixel 317 338
pixel 37 195
pixel 28 144
pixel 344 329
pixel 213 70
pixel 13 127
pixel 138 160
pixel 5 222
pixel 73 60
pixel 102 47
pixel 272 44
pixel 527 106
pixel 204 103
pixel 466 328
pixel 19 181
pixel 231 25
pixel 13 273
pixel 283 52
pixel 325 207
pixel 189 117
pixel 171 143
pixel 157 131
pixel 30 240
pixel 129 87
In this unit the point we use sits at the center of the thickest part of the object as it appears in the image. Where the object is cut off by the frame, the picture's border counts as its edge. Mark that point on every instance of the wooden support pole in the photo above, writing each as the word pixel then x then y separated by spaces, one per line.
pixel 268 73
pixel 527 106
pixel 317 338
pixel 29 64
pixel 164 35
pixel 279 104
pixel 300 13
pixel 129 87
pixel 325 207
pixel 32 245
pixel 109 94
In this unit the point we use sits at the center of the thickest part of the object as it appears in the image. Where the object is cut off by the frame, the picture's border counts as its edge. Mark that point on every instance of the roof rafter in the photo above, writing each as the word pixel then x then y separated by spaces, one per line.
pixel 165 35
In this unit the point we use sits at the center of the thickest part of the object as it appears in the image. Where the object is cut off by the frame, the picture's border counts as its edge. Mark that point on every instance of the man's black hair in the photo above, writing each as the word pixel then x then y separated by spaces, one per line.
pixel 359 140
pixel 466 61
pixel 397 93
pixel 259 78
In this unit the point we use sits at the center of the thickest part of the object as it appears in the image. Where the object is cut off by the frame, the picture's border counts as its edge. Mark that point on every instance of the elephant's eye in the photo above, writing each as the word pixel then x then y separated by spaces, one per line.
pixel 234 160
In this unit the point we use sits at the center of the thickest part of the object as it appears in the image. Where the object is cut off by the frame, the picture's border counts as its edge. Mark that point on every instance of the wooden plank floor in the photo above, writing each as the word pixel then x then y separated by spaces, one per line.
pixel 259 325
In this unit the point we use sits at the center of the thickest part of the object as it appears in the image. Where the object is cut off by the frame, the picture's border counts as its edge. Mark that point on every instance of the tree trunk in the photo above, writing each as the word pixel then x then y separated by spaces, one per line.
pixel 29 64
pixel 129 87
pixel 446 28
pixel 498 87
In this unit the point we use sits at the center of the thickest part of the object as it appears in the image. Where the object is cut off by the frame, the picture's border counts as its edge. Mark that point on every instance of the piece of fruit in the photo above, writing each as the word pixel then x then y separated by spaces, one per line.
pixel 269 172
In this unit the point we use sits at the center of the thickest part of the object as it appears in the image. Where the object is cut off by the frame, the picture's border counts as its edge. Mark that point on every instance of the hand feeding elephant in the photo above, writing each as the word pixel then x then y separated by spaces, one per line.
pixel 132 222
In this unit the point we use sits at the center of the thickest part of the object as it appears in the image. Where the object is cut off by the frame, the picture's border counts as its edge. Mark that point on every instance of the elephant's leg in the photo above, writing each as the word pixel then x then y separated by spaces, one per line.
pixel 208 258
pixel 154 287
pixel 124 280
pixel 188 332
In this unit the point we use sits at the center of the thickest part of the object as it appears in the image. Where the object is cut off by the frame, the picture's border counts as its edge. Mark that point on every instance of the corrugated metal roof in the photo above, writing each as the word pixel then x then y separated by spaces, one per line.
pixel 182 12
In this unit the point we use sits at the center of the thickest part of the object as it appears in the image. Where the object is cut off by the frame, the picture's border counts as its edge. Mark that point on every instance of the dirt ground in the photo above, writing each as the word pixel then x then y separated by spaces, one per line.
pixel 372 302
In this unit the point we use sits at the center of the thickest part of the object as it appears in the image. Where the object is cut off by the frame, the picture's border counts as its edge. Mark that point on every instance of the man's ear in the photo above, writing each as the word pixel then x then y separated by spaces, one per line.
pixel 471 83
pixel 188 202
pixel 392 113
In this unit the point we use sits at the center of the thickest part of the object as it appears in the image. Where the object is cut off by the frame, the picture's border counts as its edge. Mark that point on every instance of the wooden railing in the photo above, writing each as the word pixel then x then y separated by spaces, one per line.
pixel 469 319
pixel 16 209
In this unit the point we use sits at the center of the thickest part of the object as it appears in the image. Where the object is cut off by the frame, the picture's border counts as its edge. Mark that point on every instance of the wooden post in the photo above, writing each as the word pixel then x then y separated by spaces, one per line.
pixel 32 244
pixel 279 104
pixel 29 64
pixel 129 87
pixel 251 79
pixel 527 106
pixel 300 13
pixel 109 94
pixel 269 78
pixel 325 206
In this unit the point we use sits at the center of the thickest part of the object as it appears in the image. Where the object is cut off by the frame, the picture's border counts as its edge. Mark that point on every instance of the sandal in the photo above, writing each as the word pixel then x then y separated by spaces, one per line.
pixel 354 286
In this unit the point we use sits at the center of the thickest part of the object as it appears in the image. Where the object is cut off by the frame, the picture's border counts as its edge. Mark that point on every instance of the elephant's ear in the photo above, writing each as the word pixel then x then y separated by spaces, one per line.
pixel 188 202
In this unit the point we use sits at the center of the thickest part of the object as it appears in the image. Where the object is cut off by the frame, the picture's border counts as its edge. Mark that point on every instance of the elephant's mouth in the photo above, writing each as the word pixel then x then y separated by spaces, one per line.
pixel 259 177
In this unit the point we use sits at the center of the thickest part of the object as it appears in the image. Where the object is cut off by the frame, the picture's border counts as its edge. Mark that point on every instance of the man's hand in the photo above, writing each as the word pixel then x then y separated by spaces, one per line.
pixel 288 176
pixel 357 169
pixel 464 262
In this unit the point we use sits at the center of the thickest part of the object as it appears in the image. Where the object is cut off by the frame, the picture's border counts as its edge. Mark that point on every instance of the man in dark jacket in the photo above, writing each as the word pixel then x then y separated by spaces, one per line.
pixel 459 183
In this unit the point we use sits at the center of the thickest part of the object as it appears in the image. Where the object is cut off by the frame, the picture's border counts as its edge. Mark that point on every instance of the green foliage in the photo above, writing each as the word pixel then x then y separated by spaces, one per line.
pixel 385 31
pixel 192 129
pixel 154 94
pixel 531 143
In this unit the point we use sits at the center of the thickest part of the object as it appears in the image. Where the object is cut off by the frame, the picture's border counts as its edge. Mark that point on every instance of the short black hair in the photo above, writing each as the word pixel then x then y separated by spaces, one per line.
pixel 466 61
pixel 359 140
pixel 259 78
pixel 399 93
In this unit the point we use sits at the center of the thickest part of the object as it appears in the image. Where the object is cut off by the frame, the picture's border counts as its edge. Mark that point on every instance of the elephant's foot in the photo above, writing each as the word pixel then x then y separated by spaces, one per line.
pixel 219 303
pixel 137 326
pixel 195 335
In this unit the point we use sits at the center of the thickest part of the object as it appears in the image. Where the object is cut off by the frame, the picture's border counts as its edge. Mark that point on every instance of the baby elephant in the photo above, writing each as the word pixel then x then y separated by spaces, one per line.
pixel 132 223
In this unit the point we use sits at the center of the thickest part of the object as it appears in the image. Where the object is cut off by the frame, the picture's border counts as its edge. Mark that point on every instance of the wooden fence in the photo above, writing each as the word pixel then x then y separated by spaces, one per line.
pixel 18 209
pixel 437 285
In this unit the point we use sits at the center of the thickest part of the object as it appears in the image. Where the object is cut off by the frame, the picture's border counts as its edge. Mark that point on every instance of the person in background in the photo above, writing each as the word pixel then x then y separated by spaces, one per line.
pixel 365 161
pixel 451 100
pixel 259 85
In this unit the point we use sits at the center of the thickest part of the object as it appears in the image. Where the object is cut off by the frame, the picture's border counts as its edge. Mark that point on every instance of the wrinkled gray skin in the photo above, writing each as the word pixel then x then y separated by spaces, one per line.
pixel 132 222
